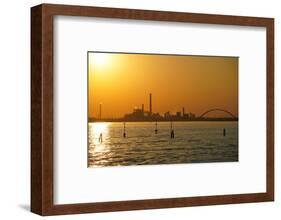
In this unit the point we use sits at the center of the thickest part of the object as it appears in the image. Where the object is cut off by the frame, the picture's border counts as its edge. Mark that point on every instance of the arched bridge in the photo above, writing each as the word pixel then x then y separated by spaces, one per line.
pixel 217 109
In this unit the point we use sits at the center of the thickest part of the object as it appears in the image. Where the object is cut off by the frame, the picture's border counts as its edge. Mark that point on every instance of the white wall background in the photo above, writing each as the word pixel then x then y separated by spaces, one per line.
pixel 15 108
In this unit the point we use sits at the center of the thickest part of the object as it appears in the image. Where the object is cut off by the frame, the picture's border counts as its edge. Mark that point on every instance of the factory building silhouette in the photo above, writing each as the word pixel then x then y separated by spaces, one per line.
pixel 140 114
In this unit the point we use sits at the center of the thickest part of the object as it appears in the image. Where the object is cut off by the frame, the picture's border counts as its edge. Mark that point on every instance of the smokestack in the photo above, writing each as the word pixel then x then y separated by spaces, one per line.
pixel 150 103
pixel 142 107
pixel 183 111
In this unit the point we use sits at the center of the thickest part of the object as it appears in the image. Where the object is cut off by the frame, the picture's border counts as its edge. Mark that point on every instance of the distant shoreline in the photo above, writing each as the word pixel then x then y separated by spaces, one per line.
pixel 163 120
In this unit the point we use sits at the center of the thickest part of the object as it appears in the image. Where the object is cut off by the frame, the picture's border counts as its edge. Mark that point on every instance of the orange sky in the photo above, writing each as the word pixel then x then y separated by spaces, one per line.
pixel 123 81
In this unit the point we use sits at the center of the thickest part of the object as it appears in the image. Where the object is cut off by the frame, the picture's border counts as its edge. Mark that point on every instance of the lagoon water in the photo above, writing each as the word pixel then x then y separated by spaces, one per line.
pixel 194 142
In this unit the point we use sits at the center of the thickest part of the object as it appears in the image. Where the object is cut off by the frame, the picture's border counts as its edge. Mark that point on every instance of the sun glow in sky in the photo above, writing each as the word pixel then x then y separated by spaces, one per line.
pixel 100 61
pixel 122 82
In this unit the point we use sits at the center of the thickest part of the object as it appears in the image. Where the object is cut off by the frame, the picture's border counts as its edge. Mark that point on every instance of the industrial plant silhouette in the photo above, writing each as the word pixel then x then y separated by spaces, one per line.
pixel 142 115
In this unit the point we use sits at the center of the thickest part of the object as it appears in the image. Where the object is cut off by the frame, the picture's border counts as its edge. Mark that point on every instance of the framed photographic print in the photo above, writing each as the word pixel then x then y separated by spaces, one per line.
pixel 138 109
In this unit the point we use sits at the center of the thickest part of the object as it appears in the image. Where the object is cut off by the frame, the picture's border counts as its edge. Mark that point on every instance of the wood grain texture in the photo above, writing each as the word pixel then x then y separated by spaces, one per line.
pixel 36 109
pixel 42 109
pixel 270 110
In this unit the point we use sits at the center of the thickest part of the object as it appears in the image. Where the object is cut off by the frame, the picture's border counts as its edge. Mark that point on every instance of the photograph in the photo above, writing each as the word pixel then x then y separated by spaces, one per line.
pixel 148 109
pixel 138 108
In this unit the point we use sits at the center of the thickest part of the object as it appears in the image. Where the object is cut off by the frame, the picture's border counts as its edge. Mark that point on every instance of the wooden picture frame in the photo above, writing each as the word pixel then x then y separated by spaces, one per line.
pixel 42 109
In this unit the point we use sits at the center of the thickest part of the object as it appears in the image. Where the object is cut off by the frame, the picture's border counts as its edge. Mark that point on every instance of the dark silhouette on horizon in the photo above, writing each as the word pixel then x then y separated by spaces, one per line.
pixel 140 115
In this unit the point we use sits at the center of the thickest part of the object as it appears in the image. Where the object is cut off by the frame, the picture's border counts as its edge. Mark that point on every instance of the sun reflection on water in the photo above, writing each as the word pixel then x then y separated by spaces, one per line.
pixel 194 143
pixel 98 133
pixel 100 127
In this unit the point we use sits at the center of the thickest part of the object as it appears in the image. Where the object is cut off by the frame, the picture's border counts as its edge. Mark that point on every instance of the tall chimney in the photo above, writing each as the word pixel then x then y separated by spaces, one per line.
pixel 142 107
pixel 183 111
pixel 150 103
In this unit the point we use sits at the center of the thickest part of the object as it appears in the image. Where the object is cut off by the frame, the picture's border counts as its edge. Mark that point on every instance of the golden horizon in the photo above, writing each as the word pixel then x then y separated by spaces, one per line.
pixel 121 82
